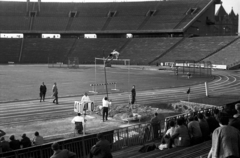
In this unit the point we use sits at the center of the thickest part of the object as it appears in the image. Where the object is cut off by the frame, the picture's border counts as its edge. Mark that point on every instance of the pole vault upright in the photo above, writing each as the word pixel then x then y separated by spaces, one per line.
pixel 107 61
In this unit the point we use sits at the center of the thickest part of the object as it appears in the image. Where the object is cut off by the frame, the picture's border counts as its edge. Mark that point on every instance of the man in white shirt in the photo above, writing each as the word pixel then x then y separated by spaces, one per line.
pixel 79 122
pixel 105 106
pixel 114 53
pixel 85 100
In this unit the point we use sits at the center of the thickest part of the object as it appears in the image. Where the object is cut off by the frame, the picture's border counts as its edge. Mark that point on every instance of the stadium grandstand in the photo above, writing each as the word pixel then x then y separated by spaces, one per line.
pixel 147 33
pixel 162 27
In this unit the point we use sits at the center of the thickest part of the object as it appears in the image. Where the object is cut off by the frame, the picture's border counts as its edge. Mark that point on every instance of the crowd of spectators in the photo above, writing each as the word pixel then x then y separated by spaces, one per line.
pixel 189 131
pixel 221 127
pixel 15 144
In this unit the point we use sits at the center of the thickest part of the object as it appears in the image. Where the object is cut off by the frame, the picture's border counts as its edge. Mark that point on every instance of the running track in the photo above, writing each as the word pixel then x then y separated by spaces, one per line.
pixel 226 82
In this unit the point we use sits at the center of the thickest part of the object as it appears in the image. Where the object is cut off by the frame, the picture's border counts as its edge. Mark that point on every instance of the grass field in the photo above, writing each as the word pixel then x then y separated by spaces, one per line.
pixel 21 82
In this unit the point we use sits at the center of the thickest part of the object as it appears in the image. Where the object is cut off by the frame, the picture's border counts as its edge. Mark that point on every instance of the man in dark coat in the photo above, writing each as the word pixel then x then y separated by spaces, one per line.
pixel 55 93
pixel 132 96
pixel 155 125
pixel 43 90
pixel 14 144
pixel 103 146
pixel 25 141
pixel 4 145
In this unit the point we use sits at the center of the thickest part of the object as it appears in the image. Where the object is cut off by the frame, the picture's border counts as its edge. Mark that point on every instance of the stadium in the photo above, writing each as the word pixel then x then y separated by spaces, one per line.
pixel 182 56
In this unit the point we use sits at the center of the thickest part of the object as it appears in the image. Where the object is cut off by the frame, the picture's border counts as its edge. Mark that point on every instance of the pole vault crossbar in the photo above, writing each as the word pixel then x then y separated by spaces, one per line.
pixel 105 60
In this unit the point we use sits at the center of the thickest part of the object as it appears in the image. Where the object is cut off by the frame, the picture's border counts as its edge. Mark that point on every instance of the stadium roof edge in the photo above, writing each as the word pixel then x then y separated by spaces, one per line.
pixel 198 15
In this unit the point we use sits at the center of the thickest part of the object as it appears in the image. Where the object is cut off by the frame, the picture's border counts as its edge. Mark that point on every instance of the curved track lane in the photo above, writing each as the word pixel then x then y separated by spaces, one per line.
pixel 224 83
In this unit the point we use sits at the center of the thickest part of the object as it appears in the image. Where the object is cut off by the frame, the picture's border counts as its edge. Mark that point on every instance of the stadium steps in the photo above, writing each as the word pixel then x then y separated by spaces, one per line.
pixel 124 45
pixel 71 49
pixel 171 48
pixel 196 48
pixel 228 56
pixel 21 50
pixel 143 23
pixel 189 152
pixel 179 152
pixel 69 23
pixel 143 50
pixel 180 22
pixel 219 49
pixel 106 23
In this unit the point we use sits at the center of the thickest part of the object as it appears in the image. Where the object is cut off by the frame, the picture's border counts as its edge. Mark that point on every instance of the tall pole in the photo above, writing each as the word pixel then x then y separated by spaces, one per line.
pixel 105 73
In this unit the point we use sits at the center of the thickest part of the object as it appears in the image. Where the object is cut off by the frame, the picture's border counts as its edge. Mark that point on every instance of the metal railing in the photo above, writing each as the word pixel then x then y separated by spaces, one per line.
pixel 119 138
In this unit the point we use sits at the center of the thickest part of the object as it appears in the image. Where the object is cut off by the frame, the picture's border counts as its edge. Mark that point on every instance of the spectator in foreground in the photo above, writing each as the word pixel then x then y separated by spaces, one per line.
pixel 58 153
pixel 2 133
pixel 225 140
pixel 194 131
pixel 204 127
pixel 165 143
pixel 79 122
pixel 103 146
pixel 180 136
pixel 236 118
pixel 37 140
pixel 212 122
pixel 14 144
pixel 155 125
pixel 4 145
pixel 25 141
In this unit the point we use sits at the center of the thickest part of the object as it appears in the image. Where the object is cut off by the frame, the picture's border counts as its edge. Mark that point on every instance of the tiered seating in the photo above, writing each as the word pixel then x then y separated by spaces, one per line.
pixel 55 9
pixel 200 5
pixel 88 23
pixel 9 50
pixel 143 50
pixel 129 16
pixel 14 22
pixel 40 50
pixel 170 13
pixel 88 49
pixel 134 9
pixel 13 8
pixel 226 56
pixel 50 23
pixel 196 48
pixel 125 23
pixel 93 9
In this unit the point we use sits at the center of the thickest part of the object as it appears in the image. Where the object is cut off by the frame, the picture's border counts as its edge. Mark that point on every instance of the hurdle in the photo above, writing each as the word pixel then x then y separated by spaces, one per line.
pixel 94 86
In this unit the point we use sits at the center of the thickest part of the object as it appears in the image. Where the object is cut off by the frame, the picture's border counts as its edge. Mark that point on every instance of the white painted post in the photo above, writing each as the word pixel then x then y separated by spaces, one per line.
pixel 206 89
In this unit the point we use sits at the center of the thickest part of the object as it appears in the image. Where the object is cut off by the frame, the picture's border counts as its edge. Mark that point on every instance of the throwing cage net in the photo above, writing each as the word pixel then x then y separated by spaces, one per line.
pixel 73 62
pixel 191 67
